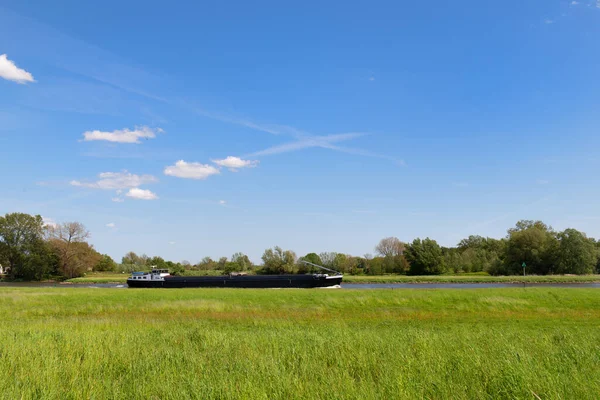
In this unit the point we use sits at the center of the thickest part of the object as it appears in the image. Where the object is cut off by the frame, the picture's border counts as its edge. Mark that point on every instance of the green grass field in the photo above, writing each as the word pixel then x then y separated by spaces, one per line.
pixel 108 277
pixel 65 343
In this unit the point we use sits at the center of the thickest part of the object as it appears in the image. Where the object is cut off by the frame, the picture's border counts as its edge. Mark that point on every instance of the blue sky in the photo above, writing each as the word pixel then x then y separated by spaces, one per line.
pixel 188 129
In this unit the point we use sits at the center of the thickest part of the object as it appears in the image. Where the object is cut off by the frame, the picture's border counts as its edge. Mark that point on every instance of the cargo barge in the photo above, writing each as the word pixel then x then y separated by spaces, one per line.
pixel 158 278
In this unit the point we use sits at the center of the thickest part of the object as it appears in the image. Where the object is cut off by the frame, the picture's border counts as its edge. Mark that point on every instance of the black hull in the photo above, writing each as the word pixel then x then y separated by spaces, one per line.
pixel 248 281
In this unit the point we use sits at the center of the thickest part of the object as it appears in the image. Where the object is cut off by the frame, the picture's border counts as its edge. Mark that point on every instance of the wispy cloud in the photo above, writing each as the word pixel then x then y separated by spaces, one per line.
pixel 141 194
pixel 235 163
pixel 111 225
pixel 116 180
pixel 10 71
pixel 307 142
pixel 325 142
pixel 574 3
pixel 122 135
pixel 548 21
pixel 191 170
pixel 542 181
pixel 115 73
pixel 274 129
pixel 117 199
pixel 222 202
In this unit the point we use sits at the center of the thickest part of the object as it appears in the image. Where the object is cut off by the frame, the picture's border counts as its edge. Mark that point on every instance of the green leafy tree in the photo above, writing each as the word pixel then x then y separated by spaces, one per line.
pixel 157 262
pixel 176 268
pixel 425 257
pixel 311 258
pixel 206 264
pixel 376 266
pixel 106 263
pixel 241 262
pixel 576 254
pixel 533 243
pixel 278 261
pixel 132 259
pixel 22 247
pixel 346 263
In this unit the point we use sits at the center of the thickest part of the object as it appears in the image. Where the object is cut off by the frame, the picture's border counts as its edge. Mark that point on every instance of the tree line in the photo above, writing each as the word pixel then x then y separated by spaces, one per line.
pixel 30 250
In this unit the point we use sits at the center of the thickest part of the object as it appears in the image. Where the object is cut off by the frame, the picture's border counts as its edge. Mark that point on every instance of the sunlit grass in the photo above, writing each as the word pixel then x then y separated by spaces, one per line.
pixel 60 343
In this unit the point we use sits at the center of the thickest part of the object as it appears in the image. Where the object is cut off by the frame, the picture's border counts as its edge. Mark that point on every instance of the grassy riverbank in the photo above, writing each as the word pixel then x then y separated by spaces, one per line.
pixel 62 343
pixel 121 278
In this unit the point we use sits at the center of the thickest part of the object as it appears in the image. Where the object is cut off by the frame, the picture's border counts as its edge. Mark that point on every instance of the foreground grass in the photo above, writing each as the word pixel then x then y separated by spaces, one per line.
pixel 64 343
pixel 122 278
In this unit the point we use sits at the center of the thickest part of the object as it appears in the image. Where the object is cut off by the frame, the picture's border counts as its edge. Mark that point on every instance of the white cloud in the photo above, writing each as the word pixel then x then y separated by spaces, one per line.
pixel 141 194
pixel 122 135
pixel 222 202
pixel 549 21
pixel 192 170
pixel 49 222
pixel 9 71
pixel 117 199
pixel 110 225
pixel 116 180
pixel 372 78
pixel 574 3
pixel 171 243
pixel 234 163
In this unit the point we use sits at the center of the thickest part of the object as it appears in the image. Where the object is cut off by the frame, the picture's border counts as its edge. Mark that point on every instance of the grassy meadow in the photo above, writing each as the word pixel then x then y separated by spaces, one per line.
pixel 84 343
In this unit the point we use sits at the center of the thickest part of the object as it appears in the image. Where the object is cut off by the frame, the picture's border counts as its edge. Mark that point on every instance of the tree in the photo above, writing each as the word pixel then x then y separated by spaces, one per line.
pixel 533 243
pixel 576 254
pixel 132 259
pixel 425 257
pixel 222 263
pixel 328 259
pixel 241 262
pixel 106 263
pixel 157 262
pixel 376 266
pixel 390 246
pixel 67 240
pixel 22 247
pixel 311 258
pixel 278 261
pixel 472 242
pixel 207 264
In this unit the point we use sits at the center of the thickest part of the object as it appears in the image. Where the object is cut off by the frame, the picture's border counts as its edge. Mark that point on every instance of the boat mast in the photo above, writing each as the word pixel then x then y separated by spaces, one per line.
pixel 322 267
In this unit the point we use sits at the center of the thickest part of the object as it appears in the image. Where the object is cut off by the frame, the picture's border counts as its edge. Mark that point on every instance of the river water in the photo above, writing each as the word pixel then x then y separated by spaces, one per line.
pixel 350 286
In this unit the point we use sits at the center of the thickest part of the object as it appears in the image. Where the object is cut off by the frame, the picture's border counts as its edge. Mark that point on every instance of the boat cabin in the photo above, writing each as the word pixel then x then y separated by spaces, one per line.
pixel 155 274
